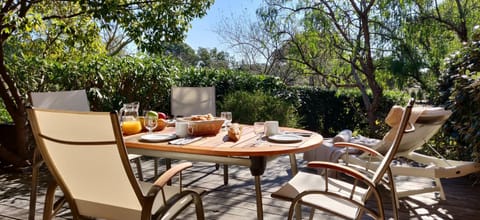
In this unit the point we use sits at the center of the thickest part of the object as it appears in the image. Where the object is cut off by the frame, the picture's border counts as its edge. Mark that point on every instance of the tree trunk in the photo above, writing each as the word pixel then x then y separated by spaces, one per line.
pixel 18 155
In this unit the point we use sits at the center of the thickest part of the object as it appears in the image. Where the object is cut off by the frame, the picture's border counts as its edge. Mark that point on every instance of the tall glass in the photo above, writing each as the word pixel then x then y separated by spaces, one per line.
pixel 227 116
pixel 258 129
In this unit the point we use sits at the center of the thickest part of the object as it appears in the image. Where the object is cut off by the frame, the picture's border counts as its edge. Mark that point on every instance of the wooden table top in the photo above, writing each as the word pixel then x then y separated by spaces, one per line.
pixel 220 145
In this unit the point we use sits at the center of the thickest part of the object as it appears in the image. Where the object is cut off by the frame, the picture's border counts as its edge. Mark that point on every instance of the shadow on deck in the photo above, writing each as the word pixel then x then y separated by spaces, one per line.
pixel 237 199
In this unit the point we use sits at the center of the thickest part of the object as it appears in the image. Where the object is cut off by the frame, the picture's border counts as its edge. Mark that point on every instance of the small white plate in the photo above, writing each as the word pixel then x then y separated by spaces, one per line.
pixel 285 138
pixel 157 137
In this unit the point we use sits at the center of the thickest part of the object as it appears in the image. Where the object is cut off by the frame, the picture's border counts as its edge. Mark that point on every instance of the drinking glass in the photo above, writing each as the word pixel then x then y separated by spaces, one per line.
pixel 150 122
pixel 258 129
pixel 228 118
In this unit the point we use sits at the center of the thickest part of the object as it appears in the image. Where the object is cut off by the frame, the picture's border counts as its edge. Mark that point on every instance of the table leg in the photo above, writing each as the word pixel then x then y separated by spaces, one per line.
pixel 293 164
pixel 258 192
pixel 257 168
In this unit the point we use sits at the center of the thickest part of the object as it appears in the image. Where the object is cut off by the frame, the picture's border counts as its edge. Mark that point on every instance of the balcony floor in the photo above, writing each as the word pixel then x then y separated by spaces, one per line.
pixel 237 199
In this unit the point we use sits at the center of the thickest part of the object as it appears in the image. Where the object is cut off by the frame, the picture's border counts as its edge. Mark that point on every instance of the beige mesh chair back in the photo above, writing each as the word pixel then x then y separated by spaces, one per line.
pixel 427 123
pixel 186 101
pixel 75 100
pixel 86 155
pixel 345 198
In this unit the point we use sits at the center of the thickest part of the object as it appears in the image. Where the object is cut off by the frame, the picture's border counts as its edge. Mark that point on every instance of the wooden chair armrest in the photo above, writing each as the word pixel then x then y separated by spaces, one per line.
pixel 358 146
pixel 165 177
pixel 341 168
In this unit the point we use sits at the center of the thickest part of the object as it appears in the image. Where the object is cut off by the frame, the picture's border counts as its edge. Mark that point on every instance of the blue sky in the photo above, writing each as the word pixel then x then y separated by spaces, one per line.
pixel 202 33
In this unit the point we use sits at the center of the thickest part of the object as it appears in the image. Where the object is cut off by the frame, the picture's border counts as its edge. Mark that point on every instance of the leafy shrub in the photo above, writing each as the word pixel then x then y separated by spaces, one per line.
pixel 460 92
pixel 329 112
pixel 249 107
pixel 112 81
pixel 4 116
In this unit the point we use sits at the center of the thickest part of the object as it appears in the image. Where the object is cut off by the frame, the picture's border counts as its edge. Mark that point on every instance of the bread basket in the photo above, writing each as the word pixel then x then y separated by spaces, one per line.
pixel 203 127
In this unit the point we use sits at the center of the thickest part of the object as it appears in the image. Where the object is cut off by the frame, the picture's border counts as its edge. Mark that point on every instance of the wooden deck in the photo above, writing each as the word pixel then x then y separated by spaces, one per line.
pixel 237 199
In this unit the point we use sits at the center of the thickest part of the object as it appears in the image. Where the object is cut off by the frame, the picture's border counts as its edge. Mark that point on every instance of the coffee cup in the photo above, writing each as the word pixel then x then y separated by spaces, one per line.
pixel 181 129
pixel 271 128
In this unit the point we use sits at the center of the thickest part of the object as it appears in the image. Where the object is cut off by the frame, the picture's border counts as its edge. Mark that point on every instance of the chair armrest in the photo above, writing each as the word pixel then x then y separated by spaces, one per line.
pixel 165 177
pixel 169 174
pixel 341 168
pixel 359 147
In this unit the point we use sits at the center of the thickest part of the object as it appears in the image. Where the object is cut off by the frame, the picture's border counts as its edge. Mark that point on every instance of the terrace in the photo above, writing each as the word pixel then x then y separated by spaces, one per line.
pixel 237 199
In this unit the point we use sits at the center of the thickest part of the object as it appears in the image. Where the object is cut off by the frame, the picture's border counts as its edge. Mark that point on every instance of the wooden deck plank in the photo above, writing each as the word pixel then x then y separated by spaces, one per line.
pixel 237 199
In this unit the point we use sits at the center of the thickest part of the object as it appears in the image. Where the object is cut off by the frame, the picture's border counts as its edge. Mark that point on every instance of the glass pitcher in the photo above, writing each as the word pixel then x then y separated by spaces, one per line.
pixel 129 118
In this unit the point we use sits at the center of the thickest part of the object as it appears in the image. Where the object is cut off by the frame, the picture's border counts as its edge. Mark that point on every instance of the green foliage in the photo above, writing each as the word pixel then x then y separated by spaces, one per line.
pixel 248 107
pixel 4 116
pixel 460 92
pixel 151 24
pixel 329 112
pixel 111 81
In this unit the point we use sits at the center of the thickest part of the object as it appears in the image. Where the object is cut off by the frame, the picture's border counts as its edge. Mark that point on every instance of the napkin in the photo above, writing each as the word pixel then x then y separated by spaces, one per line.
pixel 299 133
pixel 183 141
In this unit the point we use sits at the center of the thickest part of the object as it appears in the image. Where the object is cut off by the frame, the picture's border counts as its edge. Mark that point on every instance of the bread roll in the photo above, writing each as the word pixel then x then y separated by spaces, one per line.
pixel 234 132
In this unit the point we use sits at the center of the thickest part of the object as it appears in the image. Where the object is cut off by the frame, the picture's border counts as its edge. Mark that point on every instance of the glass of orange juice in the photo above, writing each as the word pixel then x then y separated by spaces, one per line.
pixel 131 126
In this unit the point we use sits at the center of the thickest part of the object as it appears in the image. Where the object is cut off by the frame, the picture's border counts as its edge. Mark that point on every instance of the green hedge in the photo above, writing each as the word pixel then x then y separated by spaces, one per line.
pixel 111 81
pixel 248 107
pixel 460 92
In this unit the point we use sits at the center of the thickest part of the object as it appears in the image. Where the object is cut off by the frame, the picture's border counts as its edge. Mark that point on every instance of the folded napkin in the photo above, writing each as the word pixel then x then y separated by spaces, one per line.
pixel 183 141
pixel 343 136
pixel 299 133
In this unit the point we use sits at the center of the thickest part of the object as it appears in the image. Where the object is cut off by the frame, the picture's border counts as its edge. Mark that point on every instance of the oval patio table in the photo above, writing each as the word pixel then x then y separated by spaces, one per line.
pixel 219 149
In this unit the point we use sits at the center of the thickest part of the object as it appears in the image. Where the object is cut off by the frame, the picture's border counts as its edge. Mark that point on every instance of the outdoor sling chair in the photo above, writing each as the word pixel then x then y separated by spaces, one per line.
pixel 187 101
pixel 74 100
pixel 345 198
pixel 86 155
pixel 426 122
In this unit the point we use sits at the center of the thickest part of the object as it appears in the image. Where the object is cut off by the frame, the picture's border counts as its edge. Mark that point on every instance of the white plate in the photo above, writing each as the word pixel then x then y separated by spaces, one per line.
pixel 285 138
pixel 157 137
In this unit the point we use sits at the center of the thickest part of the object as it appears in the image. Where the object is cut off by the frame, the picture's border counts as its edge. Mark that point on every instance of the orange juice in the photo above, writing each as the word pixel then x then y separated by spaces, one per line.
pixel 131 127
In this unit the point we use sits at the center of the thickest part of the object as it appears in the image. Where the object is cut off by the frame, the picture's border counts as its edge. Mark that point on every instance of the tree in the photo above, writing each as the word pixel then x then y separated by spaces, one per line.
pixel 458 16
pixel 342 28
pixel 183 52
pixel 213 58
pixel 421 33
pixel 115 39
pixel 149 23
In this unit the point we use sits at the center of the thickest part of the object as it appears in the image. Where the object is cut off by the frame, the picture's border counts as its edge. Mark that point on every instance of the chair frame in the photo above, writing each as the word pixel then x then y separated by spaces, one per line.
pixel 177 111
pixel 438 167
pixel 73 100
pixel 146 201
pixel 377 178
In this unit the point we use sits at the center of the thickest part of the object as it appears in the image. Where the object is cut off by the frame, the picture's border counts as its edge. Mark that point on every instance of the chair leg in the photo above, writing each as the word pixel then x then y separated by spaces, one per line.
pixel 168 165
pixel 225 174
pixel 139 168
pixel 198 206
pixel 438 184
pixel 155 167
pixel 312 213
pixel 393 192
pixel 37 162
pixel 48 208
